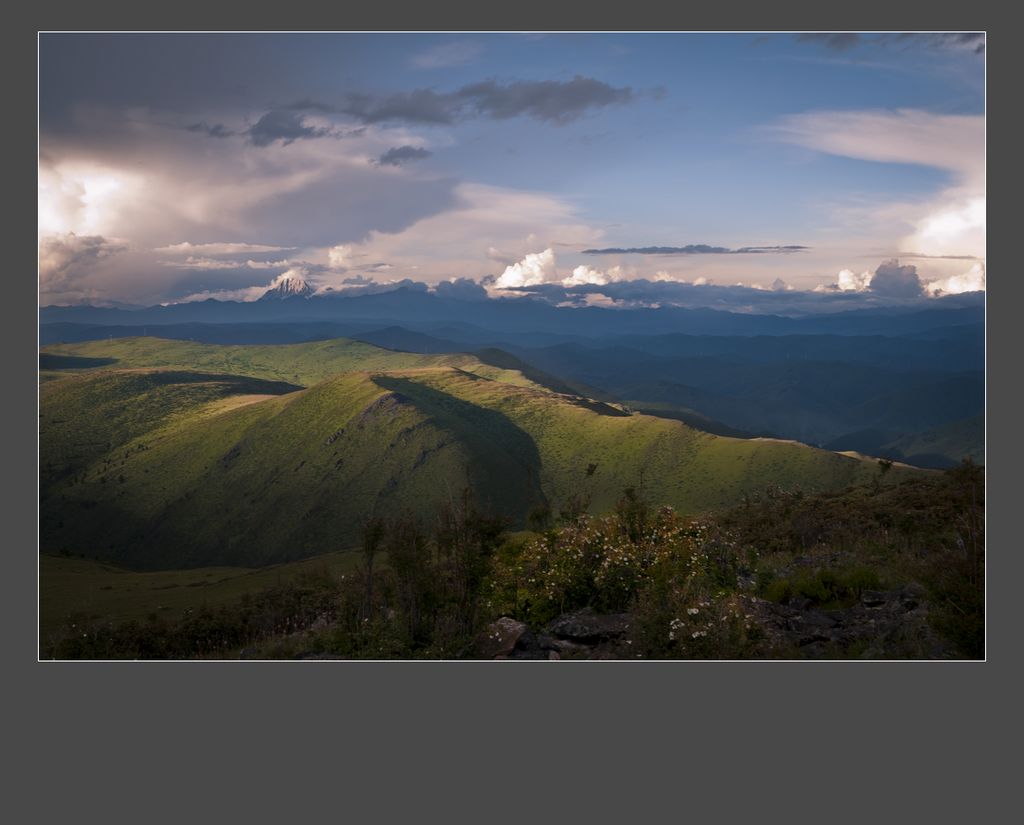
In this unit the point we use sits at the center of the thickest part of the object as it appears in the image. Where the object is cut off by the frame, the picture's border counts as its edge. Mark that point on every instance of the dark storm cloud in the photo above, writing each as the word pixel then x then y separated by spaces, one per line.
pixel 694 249
pixel 554 101
pixel 402 154
pixel 895 281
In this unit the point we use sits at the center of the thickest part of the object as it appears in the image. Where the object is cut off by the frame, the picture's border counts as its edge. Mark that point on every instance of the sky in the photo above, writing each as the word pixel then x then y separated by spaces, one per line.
pixel 606 169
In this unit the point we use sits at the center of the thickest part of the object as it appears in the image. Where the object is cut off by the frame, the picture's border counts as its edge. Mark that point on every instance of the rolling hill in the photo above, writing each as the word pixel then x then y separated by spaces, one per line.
pixel 163 454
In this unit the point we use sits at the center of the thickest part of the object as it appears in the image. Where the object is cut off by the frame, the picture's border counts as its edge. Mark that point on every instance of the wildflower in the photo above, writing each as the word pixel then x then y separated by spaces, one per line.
pixel 693 611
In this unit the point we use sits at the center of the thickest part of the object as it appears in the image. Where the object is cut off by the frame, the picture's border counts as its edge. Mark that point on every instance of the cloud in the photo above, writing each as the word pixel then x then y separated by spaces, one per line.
pixel 848 281
pixel 286 126
pixel 62 257
pixel 217 130
pixel 554 101
pixel 840 41
pixel 371 287
pixel 340 256
pixel 536 268
pixel 584 274
pixel 973 42
pixel 445 55
pixel 701 294
pixel 208 264
pixel 488 229
pixel 895 281
pixel 402 154
pixel 953 142
pixel 461 289
pixel 186 248
pixel 694 249
pixel 891 280
pixel 971 281
pixel 950 222
pixel 550 100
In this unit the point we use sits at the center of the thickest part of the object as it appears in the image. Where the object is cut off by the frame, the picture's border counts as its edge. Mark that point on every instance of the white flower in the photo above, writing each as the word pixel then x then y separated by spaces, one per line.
pixel 693 611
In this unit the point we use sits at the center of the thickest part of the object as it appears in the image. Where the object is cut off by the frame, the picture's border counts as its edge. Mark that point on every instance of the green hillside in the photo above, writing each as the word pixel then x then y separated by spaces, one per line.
pixel 304 364
pixel 172 454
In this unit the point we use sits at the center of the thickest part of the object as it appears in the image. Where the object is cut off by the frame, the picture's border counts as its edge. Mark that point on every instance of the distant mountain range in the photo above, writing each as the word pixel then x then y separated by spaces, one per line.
pixel 405 306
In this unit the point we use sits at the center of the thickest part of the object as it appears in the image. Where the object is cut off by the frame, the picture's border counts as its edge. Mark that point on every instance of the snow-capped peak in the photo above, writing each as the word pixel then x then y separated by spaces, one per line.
pixel 289 284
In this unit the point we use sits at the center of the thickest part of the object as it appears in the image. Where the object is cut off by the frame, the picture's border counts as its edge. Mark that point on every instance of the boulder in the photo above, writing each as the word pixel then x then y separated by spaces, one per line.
pixel 498 639
pixel 589 627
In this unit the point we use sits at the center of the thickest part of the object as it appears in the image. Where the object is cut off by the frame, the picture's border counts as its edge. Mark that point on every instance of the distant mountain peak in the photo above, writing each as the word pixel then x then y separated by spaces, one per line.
pixel 287 286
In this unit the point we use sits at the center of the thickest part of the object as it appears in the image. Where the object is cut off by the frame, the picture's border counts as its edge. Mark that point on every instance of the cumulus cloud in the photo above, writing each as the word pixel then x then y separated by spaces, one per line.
pixel 402 154
pixel 849 281
pixel 892 280
pixel 895 281
pixel 584 274
pixel 971 281
pixel 536 268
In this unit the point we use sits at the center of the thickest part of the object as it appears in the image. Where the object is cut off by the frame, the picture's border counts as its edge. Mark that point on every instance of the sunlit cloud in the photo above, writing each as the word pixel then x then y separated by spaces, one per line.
pixel 952 221
pixel 535 268
pixel 971 281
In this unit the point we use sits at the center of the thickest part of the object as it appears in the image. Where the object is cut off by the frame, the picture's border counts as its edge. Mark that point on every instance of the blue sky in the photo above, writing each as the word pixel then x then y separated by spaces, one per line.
pixel 181 166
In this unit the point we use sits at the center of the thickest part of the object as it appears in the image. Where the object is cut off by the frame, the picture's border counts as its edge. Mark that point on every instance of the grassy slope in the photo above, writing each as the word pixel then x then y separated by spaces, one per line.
pixel 304 364
pixel 84 590
pixel 209 479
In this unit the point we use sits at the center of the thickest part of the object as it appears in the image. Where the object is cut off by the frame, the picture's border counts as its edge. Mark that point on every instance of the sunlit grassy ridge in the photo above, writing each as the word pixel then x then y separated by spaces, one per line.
pixel 163 458
pixel 304 364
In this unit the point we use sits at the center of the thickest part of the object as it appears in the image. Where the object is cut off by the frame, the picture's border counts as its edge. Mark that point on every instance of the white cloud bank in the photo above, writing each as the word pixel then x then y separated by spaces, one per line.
pixel 891 279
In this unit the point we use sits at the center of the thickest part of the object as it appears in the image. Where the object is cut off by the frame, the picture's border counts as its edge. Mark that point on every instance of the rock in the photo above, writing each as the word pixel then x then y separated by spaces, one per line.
pixel 566 647
pixel 587 626
pixel 498 639
pixel 874 598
